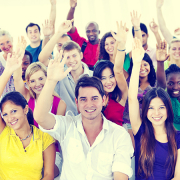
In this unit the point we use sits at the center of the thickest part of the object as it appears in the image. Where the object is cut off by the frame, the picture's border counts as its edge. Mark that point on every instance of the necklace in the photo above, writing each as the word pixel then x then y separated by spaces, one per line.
pixel 27 135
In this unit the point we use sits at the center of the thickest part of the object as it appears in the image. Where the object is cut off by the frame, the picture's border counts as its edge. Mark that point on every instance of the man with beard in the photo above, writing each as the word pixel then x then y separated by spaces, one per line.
pixel 89 47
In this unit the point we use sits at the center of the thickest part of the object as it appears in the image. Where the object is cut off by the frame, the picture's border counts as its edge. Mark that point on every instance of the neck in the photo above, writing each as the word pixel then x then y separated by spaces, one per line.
pixel 23 132
pixel 175 61
pixel 95 42
pixel 145 47
pixel 143 82
pixel 111 58
pixel 76 73
pixel 159 130
pixel 35 44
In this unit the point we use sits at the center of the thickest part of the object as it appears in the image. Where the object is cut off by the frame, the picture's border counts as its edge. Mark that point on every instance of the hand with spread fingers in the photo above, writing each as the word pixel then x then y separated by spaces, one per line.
pixel 73 3
pixel 122 32
pixel 47 28
pixel 159 3
pixel 55 69
pixel 65 26
pixel 135 19
pixel 53 2
pixel 137 51
pixel 161 51
pixel 153 26
pixel 21 45
pixel 177 32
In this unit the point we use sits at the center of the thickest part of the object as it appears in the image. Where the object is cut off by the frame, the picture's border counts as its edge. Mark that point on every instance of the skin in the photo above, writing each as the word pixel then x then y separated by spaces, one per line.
pixel 108 80
pixel 145 69
pixel 109 45
pixel 25 64
pixel 61 41
pixel 175 50
pixel 173 85
pixel 144 40
pixel 33 34
pixel 92 33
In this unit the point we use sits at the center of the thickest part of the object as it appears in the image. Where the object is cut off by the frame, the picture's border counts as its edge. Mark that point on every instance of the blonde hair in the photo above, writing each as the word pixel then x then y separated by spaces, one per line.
pixel 173 41
pixel 5 33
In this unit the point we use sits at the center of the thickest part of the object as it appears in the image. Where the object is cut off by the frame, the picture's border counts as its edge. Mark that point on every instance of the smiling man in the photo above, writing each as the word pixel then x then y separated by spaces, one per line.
pixel 89 47
pixel 92 147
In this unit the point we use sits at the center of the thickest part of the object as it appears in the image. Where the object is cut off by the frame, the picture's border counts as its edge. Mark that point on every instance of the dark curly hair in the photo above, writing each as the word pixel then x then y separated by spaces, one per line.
pixel 173 68
pixel 102 52
pixel 152 73
pixel 100 66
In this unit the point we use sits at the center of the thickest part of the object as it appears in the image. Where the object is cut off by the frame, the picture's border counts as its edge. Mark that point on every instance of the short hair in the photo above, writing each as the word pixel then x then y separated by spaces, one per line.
pixel 32 68
pixel 142 27
pixel 19 100
pixel 66 35
pixel 86 81
pixel 92 22
pixel 30 56
pixel 175 39
pixel 5 33
pixel 70 45
pixel 173 68
pixel 31 25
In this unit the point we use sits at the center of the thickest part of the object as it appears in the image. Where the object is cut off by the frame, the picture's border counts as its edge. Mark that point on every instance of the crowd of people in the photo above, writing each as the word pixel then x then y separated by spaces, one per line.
pixel 91 111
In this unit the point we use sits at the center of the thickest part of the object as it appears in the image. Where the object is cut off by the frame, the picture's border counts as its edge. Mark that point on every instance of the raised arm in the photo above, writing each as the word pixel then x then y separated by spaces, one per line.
pixel 46 51
pixel 134 114
pixel 55 73
pixel 164 30
pixel 120 37
pixel 154 28
pixel 161 56
pixel 73 4
pixel 52 16
pixel 12 64
pixel 135 19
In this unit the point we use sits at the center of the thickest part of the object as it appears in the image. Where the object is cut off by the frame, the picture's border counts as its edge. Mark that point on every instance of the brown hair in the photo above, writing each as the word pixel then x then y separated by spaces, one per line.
pixel 70 45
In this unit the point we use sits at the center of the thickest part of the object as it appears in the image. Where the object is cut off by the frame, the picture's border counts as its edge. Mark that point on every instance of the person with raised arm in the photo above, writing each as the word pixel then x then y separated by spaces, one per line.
pixel 24 149
pixel 90 47
pixel 92 146
pixel 155 137
pixel 33 33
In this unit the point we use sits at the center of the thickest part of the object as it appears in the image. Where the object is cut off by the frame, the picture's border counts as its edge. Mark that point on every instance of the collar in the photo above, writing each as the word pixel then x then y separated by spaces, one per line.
pixel 149 48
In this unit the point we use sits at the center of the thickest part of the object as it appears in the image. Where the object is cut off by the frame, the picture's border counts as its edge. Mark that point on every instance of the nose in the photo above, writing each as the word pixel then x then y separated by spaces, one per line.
pixel 37 83
pixel 91 33
pixel 156 112
pixel 175 86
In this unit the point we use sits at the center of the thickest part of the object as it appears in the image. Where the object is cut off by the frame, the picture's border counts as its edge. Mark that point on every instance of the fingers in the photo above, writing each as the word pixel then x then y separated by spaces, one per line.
pixel 113 34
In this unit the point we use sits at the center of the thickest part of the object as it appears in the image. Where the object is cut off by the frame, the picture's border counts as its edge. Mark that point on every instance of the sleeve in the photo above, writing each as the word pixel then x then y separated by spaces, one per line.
pixel 77 38
pixel 178 139
pixel 47 141
pixel 1 68
pixel 124 152
pixel 127 62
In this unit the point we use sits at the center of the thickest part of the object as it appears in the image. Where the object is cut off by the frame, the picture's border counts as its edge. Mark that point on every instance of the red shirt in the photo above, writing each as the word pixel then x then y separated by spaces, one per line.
pixel 91 53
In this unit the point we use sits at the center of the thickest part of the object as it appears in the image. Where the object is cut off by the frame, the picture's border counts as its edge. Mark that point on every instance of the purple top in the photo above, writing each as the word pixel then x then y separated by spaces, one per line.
pixel 160 170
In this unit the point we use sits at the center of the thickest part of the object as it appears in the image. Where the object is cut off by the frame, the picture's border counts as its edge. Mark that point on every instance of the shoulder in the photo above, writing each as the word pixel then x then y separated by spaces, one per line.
pixel 178 139
pixel 86 70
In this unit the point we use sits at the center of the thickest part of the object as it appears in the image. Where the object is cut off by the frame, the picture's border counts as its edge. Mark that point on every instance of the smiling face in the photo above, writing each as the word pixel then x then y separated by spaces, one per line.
pixel 92 32
pixel 109 45
pixel 6 44
pixel 37 81
pixel 145 69
pixel 157 112
pixel 33 34
pixel 108 80
pixel 73 59
pixel 90 103
pixel 173 84
pixel 175 50
pixel 13 115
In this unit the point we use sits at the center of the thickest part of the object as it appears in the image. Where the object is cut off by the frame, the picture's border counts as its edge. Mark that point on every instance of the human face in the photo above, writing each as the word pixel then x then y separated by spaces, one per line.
pixel 37 81
pixel 145 69
pixel 61 41
pixel 173 85
pixel 92 33
pixel 144 38
pixel 6 44
pixel 25 64
pixel 33 34
pixel 14 115
pixel 108 80
pixel 90 103
pixel 175 50
pixel 73 59
pixel 109 45
pixel 157 112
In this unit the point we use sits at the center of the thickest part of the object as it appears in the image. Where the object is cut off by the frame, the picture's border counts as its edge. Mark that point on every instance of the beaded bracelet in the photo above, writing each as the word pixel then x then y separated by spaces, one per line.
pixel 121 50
pixel 137 30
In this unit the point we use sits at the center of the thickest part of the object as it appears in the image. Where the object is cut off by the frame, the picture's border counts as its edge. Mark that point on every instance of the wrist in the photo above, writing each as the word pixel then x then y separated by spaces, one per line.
pixel 137 28
pixel 46 36
pixel 121 46
pixel 51 82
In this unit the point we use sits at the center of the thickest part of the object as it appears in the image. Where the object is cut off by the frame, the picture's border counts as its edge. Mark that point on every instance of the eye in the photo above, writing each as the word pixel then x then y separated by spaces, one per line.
pixel 13 111
pixel 112 42
pixel 162 107
pixel 95 98
pixel 106 44
pixel 88 31
pixel 111 76
pixel 74 55
pixel 150 108
pixel 41 78
pixel 2 44
pixel 5 114
pixel 94 30
pixel 7 41
pixel 83 99
pixel 170 83
pixel 32 81
pixel 103 78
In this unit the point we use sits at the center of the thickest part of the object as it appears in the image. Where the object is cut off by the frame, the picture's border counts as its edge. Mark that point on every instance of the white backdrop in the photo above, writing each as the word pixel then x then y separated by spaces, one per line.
pixel 16 14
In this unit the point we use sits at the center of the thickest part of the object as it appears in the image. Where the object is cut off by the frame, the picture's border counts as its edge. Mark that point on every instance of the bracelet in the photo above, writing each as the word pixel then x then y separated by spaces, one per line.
pixel 137 30
pixel 121 50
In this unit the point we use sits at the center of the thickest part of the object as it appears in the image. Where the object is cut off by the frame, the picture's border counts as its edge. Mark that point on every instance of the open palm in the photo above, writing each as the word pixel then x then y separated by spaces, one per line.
pixel 161 51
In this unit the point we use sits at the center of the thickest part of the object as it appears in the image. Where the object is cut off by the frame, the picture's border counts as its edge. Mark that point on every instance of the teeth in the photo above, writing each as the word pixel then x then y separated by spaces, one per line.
pixel 90 110
pixel 175 92
pixel 12 123
pixel 157 118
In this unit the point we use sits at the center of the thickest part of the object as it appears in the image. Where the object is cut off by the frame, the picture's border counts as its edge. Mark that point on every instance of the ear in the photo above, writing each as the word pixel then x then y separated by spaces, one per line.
pixel 81 55
pixel 147 35
pixel 26 109
pixel 104 100
pixel 99 32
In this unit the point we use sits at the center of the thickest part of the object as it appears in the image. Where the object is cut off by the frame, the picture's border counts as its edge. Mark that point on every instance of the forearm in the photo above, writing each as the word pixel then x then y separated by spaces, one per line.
pixel 165 32
pixel 45 41
pixel 71 16
pixel 48 177
pixel 52 17
pixel 137 33
pixel 160 75
pixel 158 38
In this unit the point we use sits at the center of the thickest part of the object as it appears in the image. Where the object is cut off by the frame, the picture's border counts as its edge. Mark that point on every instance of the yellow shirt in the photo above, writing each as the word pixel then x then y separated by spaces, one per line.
pixel 17 163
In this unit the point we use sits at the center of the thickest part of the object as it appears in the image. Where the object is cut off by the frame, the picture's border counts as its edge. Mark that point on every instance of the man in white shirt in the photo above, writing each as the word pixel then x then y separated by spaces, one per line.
pixel 93 148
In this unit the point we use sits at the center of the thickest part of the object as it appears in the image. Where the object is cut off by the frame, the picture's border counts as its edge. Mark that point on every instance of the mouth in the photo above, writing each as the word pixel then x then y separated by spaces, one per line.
pixel 38 88
pixel 157 118
pixel 91 37
pixel 90 110
pixel 72 65
pixel 13 123
pixel 111 50
pixel 175 92
pixel 109 86
pixel 33 38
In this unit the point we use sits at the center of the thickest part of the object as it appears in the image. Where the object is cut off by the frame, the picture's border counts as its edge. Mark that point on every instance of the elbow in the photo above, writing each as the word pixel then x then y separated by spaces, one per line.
pixel 38 116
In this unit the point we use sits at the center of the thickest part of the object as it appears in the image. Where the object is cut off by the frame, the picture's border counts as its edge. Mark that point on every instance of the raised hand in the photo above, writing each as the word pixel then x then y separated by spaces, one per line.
pixel 159 3
pixel 53 2
pixel 137 51
pixel 21 45
pixel 55 69
pixel 65 26
pixel 47 28
pixel 153 26
pixel 161 51
pixel 135 19
pixel 177 32
pixel 121 35
pixel 73 3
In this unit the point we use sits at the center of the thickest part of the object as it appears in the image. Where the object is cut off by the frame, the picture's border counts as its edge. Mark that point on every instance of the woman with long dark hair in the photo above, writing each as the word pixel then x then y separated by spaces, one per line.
pixel 24 149
pixel 157 143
